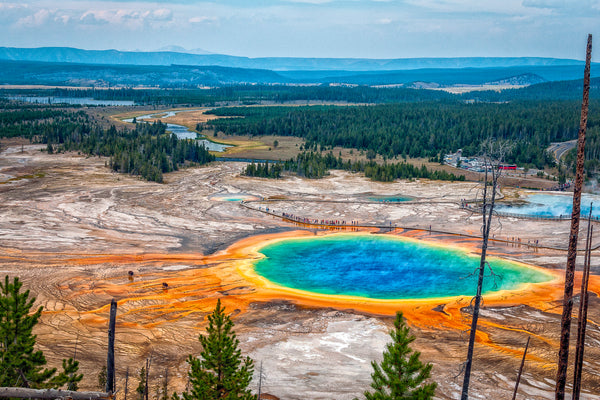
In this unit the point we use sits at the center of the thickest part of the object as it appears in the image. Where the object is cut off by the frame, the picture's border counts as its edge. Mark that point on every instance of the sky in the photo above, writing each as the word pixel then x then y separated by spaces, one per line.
pixel 310 28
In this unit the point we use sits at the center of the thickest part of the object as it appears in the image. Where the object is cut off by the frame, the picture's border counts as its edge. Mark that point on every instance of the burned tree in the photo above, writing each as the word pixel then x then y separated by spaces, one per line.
pixel 493 155
pixel 110 358
pixel 521 369
pixel 583 312
pixel 565 331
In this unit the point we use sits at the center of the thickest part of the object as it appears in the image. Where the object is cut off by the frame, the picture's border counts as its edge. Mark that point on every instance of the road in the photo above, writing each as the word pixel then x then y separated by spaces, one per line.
pixel 559 149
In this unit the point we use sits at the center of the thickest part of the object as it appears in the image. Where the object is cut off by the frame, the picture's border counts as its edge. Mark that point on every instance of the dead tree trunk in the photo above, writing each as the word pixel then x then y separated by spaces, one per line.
pixel 582 317
pixel 110 359
pixel 565 331
pixel 521 369
pixel 166 385
pixel 146 391
pixel 487 210
pixel 126 382
pixel 260 383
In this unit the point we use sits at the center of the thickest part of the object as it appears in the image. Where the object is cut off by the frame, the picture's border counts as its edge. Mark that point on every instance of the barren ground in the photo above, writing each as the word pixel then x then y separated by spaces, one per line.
pixel 71 230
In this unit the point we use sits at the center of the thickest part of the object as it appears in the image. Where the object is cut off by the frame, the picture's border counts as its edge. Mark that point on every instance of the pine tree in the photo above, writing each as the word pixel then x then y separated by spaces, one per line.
pixel 165 386
pixel 141 389
pixel 102 378
pixel 20 364
pixel 220 372
pixel 68 376
pixel 400 375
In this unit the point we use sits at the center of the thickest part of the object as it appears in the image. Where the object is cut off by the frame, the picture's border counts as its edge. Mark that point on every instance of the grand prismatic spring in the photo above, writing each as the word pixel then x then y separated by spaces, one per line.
pixel 384 267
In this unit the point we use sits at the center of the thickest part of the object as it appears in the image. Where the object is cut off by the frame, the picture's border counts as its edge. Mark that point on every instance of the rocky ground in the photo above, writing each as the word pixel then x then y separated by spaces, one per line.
pixel 72 230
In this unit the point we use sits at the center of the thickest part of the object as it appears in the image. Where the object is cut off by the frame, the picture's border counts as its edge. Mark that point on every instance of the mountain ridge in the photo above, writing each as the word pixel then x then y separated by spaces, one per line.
pixel 165 58
pixel 75 74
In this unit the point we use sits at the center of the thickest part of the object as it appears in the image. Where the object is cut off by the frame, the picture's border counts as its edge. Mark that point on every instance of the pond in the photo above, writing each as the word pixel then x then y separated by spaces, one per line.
pixel 551 205
pixel 394 198
pixel 385 267
pixel 235 197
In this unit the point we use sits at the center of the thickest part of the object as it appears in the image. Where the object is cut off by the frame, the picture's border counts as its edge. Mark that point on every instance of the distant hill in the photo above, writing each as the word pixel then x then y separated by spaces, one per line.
pixel 179 49
pixel 521 80
pixel 436 77
pixel 261 84
pixel 73 55
pixel 70 74
pixel 558 90
pixel 190 76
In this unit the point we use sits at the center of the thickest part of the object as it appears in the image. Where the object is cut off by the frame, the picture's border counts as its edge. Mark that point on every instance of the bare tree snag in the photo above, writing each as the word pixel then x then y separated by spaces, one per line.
pixel 487 210
pixel 126 381
pixel 521 369
pixel 565 330
pixel 582 317
pixel 110 358
pixel 260 382
pixel 146 390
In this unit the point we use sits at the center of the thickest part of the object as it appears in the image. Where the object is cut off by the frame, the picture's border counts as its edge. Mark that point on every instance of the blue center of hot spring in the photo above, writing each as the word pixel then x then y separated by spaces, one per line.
pixel 384 267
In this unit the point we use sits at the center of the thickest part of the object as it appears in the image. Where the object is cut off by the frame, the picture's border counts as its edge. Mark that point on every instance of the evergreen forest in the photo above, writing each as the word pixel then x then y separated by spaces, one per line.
pixel 315 165
pixel 147 150
pixel 421 130
pixel 397 124
pixel 244 94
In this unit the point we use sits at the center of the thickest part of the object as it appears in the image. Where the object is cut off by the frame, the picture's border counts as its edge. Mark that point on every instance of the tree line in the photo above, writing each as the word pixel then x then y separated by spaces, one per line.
pixel 38 124
pixel 246 94
pixel 315 165
pixel 361 93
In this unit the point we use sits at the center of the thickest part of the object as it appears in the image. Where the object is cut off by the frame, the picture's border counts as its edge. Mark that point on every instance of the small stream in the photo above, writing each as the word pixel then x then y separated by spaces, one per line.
pixel 182 132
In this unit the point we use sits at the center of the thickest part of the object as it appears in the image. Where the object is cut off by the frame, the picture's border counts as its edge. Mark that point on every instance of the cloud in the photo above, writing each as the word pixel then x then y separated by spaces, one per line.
pixel 466 7
pixel 39 18
pixel 583 8
pixel 63 18
pixel 90 18
pixel 130 18
pixel 310 1
pixel 100 17
pixel 380 28
pixel 162 14
pixel 549 4
pixel 11 12
pixel 202 20
pixel 11 6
